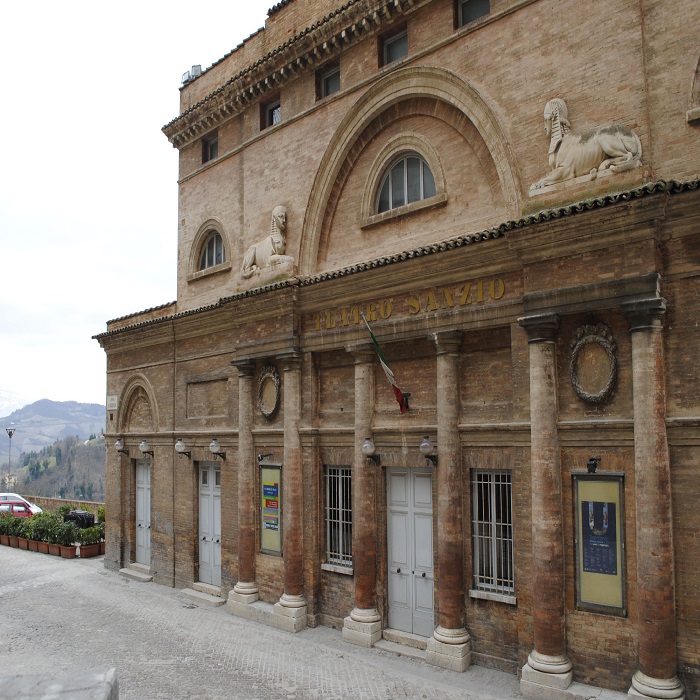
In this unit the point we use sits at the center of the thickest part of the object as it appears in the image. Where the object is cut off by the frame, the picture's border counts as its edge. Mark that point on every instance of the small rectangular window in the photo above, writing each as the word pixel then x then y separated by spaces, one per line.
pixel 210 147
pixel 327 81
pixel 492 531
pixel 395 47
pixel 339 516
pixel 469 10
pixel 270 114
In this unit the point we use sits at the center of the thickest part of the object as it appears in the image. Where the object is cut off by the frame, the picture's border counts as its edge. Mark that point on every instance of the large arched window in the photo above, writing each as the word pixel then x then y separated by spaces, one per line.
pixel 212 252
pixel 408 179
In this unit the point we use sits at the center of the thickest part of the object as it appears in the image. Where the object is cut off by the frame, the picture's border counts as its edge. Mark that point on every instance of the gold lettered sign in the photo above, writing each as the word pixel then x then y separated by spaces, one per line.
pixel 600 548
pixel 271 508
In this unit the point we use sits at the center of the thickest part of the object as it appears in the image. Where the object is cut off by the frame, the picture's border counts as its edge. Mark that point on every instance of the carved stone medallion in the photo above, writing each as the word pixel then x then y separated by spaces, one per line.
pixel 269 391
pixel 593 363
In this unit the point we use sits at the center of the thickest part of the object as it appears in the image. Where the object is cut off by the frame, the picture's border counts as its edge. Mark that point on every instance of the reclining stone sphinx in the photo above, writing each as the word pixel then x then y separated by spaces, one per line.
pixel 572 155
pixel 269 252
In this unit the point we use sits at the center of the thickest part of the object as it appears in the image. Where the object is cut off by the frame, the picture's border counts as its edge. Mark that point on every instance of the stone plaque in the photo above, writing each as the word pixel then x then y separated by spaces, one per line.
pixel 593 363
pixel 269 391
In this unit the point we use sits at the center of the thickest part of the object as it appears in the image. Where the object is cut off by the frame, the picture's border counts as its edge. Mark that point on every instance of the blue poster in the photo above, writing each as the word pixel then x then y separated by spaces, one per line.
pixel 599 537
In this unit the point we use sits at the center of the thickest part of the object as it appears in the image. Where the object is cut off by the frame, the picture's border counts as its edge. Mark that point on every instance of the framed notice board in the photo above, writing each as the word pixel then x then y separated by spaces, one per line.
pixel 271 508
pixel 600 542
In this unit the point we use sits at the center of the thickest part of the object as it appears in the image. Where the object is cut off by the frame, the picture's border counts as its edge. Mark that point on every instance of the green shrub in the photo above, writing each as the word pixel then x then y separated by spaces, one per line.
pixel 5 520
pixel 41 527
pixel 100 514
pixel 90 535
pixel 18 526
pixel 66 533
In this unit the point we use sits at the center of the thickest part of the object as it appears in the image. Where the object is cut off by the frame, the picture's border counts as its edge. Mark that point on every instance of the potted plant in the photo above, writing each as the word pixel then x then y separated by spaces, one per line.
pixel 103 544
pixel 32 534
pixel 23 533
pixel 66 534
pixel 40 526
pixel 15 528
pixel 89 539
pixel 5 529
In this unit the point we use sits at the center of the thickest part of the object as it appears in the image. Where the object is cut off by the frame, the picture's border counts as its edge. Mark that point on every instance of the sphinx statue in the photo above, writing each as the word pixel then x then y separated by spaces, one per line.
pixel 270 250
pixel 571 155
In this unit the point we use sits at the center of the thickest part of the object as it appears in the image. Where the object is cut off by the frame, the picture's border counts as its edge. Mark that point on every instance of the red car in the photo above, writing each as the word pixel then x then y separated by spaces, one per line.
pixel 15 508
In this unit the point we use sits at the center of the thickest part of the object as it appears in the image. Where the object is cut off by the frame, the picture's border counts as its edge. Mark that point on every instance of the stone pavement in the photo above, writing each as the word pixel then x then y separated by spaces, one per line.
pixel 64 616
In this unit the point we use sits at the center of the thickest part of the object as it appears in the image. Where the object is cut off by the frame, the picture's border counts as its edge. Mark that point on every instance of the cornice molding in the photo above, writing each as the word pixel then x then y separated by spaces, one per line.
pixel 312 47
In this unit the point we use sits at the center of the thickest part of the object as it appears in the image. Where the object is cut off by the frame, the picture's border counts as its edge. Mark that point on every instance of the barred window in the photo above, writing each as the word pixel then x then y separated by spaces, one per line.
pixel 492 528
pixel 339 516
pixel 212 252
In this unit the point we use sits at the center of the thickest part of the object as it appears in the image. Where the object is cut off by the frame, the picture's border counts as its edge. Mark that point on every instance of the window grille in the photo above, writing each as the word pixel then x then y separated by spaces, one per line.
pixel 408 180
pixel 339 516
pixel 213 252
pixel 492 531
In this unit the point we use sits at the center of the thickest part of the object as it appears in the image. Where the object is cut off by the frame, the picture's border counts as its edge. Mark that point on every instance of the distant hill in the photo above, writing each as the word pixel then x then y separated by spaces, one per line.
pixel 42 423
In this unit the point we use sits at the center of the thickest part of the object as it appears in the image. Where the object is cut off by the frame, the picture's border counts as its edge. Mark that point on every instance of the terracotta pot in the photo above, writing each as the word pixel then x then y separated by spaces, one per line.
pixel 103 547
pixel 5 539
pixel 14 541
pixel 43 547
pixel 68 551
pixel 54 549
pixel 33 546
pixel 89 550
pixel 23 542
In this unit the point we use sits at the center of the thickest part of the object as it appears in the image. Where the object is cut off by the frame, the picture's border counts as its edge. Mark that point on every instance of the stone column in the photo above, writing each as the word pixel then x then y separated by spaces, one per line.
pixel 291 608
pixel 547 664
pixel 656 677
pixel 450 646
pixel 245 591
pixel 363 625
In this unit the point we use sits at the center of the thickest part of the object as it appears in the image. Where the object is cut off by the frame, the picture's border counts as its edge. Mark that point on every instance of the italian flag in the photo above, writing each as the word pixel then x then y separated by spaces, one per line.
pixel 389 374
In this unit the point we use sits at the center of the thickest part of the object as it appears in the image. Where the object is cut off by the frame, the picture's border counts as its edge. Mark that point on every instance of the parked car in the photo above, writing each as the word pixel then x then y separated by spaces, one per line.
pixel 19 508
pixel 16 497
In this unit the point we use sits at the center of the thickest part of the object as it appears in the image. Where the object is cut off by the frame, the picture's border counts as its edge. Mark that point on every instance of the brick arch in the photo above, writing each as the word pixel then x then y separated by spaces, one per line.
pixel 138 411
pixel 412 90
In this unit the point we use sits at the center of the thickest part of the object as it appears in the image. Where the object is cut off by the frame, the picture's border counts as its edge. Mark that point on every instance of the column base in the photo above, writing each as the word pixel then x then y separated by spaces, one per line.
pixel 245 593
pixel 546 677
pixel 644 686
pixel 288 618
pixel 454 654
pixel 292 601
pixel 364 634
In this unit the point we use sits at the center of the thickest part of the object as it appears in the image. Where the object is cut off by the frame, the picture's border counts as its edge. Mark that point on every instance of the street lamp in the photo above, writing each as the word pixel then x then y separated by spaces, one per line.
pixel 10 433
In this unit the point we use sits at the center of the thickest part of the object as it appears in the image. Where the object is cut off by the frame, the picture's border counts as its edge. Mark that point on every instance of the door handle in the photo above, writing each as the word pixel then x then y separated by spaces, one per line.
pixel 148 527
pixel 217 541
pixel 398 571
pixel 204 539
pixel 424 574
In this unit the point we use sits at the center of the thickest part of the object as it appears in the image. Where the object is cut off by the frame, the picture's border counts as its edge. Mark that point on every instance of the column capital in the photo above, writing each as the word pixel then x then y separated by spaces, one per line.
pixel 644 314
pixel 446 342
pixel 290 361
pixel 245 366
pixel 540 327
pixel 362 352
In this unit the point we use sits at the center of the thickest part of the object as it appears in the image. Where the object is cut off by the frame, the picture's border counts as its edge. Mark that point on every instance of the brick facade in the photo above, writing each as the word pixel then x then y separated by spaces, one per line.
pixel 476 298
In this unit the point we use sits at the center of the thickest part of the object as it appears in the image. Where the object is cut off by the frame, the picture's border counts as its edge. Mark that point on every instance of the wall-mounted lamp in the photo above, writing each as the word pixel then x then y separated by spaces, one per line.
pixel 180 448
pixel 143 446
pixel 265 456
pixel 119 447
pixel 215 449
pixel 427 450
pixel 592 464
pixel 370 451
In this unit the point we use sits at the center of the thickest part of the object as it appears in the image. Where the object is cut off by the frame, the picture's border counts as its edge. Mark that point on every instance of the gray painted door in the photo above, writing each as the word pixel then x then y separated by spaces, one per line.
pixel 410 542
pixel 143 512
pixel 210 524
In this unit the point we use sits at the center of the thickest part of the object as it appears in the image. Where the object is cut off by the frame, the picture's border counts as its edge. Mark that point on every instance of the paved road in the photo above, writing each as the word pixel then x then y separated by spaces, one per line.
pixel 59 616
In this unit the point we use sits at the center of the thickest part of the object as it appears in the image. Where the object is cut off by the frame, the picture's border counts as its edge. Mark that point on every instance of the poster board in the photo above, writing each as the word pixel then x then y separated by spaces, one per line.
pixel 271 508
pixel 600 542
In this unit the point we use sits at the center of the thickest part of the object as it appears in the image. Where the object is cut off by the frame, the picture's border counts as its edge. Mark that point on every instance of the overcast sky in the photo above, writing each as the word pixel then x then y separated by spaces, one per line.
pixel 88 183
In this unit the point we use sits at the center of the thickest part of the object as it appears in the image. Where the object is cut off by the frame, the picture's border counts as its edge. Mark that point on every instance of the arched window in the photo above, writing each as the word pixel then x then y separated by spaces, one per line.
pixel 212 251
pixel 409 179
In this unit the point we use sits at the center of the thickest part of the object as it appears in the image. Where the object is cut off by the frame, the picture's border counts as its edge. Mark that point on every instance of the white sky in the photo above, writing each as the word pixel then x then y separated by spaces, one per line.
pixel 88 183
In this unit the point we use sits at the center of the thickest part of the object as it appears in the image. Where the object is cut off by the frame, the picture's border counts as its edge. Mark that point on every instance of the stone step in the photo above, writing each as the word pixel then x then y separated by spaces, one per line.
pixel 405 638
pixel 206 588
pixel 136 574
pixel 401 649
pixel 199 598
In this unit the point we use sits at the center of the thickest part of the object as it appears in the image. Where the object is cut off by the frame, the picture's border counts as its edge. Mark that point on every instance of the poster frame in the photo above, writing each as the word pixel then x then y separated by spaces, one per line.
pixel 585 590
pixel 276 466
